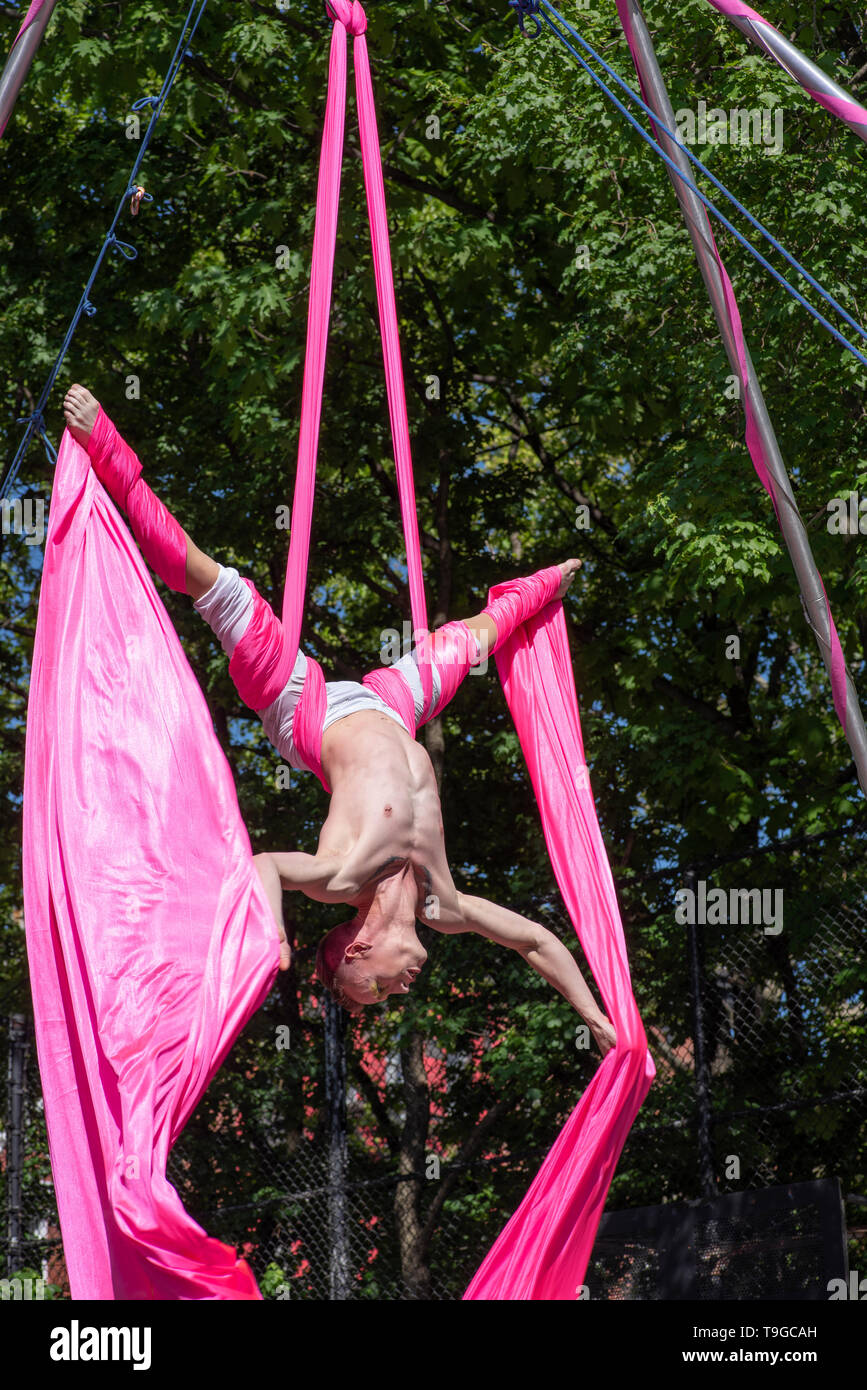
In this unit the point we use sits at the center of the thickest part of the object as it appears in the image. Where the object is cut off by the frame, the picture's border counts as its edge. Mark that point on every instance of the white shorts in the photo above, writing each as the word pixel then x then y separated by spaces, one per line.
pixel 228 606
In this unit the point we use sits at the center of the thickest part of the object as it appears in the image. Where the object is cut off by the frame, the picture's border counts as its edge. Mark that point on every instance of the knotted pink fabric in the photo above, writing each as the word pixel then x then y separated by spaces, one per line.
pixel 161 538
pixel 752 433
pixel 149 937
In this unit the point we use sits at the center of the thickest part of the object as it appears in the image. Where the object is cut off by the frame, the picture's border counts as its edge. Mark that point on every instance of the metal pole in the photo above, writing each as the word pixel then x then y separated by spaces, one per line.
pixel 15 1137
pixel 791 524
pixel 335 1101
pixel 19 60
pixel 704 1113
pixel 797 65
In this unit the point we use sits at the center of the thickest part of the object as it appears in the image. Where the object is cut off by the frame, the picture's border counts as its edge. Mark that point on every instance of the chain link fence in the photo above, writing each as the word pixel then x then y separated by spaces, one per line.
pixel 370 1159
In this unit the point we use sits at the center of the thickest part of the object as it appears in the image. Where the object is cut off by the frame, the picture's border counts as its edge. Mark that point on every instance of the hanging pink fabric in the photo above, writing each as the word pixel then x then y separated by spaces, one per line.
pixel 752 434
pixel 149 937
pixel 543 1251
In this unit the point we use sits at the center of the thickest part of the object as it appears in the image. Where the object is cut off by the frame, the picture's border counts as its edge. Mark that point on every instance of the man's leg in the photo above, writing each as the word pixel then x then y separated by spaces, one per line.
pixel 165 545
pixel 492 622
pixel 456 647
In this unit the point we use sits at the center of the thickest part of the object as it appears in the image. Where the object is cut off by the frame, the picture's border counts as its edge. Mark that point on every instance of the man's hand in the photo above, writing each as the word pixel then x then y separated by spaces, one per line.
pixel 604 1034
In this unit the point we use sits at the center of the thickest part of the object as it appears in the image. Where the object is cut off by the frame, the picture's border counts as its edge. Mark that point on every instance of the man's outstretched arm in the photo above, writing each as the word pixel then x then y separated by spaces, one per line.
pixel 542 950
pixel 310 874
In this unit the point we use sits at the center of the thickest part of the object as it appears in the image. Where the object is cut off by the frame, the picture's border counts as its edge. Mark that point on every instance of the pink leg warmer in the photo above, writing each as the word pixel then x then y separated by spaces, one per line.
pixel 511 603
pixel 160 536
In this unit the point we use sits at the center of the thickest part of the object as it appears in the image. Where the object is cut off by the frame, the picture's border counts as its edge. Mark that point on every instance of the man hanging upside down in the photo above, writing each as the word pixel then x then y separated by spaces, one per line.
pixel 381 849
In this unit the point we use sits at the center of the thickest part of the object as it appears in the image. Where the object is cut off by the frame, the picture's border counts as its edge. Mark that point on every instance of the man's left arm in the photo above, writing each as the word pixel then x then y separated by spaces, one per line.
pixel 542 950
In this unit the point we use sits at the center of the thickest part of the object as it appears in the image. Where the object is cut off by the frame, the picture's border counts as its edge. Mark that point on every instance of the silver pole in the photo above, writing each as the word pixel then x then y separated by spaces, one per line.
pixel 791 525
pixel 19 60
pixel 797 65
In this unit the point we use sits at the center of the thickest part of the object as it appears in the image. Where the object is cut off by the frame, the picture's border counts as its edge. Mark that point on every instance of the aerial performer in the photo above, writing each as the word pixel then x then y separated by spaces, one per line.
pixel 381 849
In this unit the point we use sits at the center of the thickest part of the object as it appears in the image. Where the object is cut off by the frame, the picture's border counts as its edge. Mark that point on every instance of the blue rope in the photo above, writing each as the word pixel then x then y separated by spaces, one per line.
pixel 35 422
pixel 524 7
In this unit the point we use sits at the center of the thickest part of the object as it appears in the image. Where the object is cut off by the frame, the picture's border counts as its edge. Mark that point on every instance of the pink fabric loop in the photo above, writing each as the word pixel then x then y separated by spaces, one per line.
pixel 319 309
pixel 309 718
pixel 391 687
pixel 114 462
pixel 515 600
pixel 348 13
pixel 453 649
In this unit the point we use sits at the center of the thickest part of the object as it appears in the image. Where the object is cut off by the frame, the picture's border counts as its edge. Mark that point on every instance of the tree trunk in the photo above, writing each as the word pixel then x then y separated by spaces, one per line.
pixel 414 1269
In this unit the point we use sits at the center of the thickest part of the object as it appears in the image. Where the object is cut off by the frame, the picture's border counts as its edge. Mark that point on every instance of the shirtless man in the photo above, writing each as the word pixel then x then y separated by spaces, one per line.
pixel 382 848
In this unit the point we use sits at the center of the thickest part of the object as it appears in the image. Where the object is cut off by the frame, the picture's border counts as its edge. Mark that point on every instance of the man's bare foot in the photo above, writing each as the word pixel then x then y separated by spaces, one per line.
pixel 81 410
pixel 569 569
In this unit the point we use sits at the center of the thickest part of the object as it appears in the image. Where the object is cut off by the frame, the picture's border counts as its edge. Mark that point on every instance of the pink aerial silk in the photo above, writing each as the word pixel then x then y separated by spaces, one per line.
pixel 543 1252
pixel 752 433
pixel 845 108
pixel 149 937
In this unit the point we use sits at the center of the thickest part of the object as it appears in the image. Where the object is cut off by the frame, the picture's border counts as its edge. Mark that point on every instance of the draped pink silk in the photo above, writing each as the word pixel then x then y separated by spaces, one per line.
pixel 543 1251
pixel 753 436
pixel 845 108
pixel 149 937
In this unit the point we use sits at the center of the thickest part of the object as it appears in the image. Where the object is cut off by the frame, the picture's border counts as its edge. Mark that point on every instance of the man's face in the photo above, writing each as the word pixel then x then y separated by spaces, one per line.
pixel 380 964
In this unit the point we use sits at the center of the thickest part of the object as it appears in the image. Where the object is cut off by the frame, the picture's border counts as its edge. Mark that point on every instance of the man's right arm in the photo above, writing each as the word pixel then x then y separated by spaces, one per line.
pixel 312 874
